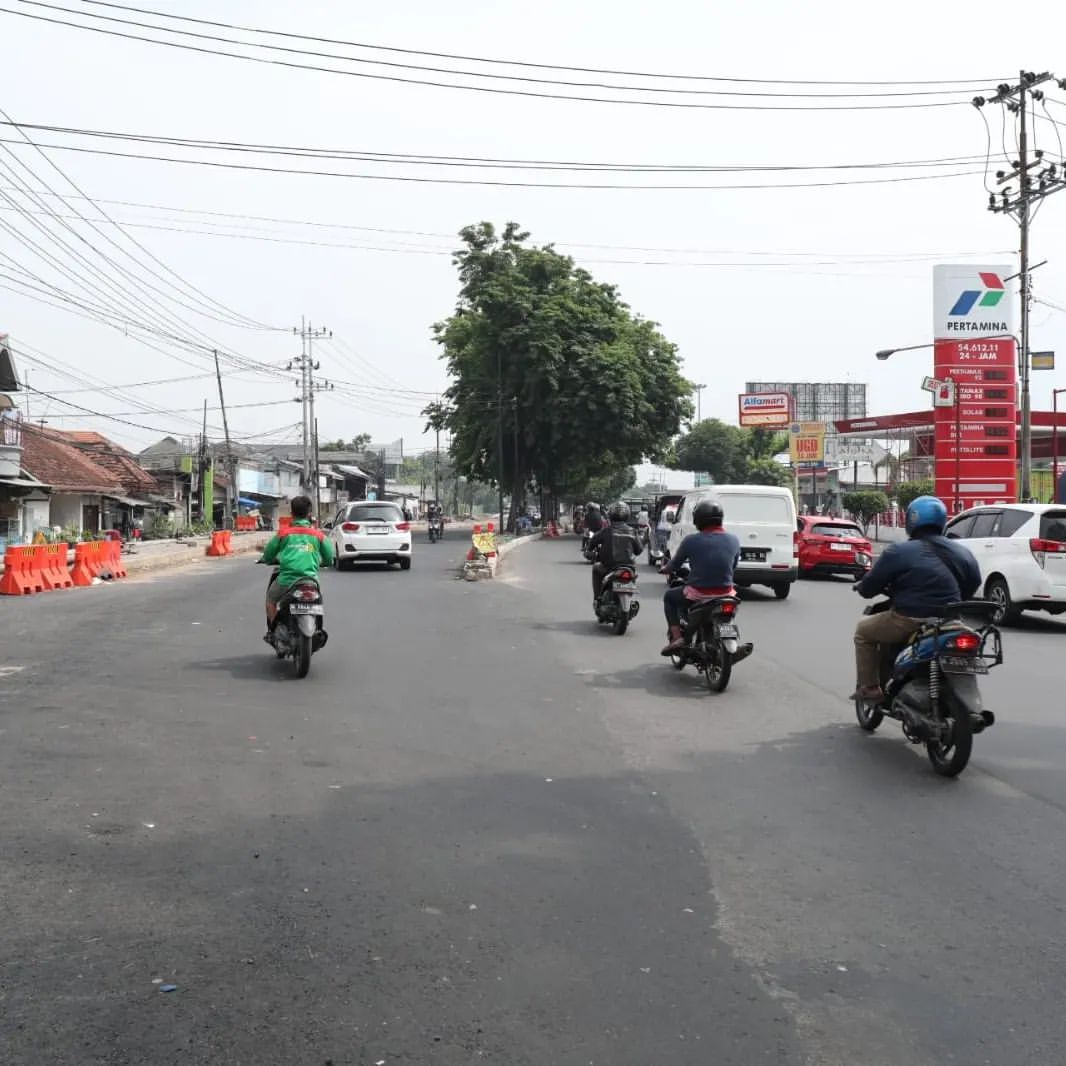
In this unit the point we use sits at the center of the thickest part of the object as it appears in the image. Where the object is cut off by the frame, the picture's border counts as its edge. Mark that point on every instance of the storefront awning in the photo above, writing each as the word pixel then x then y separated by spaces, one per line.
pixel 129 501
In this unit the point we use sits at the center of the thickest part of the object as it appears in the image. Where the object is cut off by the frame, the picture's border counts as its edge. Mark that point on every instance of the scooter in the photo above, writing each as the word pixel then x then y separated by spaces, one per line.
pixel 298 630
pixel 618 604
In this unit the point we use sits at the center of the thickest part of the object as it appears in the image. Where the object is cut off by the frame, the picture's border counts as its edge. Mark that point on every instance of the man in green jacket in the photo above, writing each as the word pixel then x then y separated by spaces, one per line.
pixel 298 553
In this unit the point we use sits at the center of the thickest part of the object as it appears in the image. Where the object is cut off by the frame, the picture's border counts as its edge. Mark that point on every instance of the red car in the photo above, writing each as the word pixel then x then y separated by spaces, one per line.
pixel 832 546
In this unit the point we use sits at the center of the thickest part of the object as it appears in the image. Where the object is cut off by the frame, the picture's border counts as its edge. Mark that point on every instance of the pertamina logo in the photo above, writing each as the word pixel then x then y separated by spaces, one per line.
pixel 985 298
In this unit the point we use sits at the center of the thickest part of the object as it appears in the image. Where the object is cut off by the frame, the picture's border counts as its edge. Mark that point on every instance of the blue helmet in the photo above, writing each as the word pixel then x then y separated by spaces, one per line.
pixel 926 512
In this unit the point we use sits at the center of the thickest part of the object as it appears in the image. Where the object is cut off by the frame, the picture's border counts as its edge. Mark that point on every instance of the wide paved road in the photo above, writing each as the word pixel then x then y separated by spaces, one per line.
pixel 485 831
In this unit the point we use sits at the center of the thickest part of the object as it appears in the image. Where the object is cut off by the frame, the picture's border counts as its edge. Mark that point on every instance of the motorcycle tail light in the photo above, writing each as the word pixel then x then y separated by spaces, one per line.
pixel 728 609
pixel 307 593
pixel 967 642
pixel 625 575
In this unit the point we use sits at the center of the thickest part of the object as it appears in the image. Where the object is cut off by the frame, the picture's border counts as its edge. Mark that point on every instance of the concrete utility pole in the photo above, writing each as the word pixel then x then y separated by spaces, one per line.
pixel 307 385
pixel 229 520
pixel 1035 180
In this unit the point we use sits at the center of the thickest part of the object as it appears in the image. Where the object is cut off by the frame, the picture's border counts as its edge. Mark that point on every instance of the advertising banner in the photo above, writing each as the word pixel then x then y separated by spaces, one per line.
pixel 970 302
pixel 806 442
pixel 765 409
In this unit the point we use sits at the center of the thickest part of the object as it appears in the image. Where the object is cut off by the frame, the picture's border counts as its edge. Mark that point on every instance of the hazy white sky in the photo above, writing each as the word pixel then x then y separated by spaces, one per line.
pixel 819 317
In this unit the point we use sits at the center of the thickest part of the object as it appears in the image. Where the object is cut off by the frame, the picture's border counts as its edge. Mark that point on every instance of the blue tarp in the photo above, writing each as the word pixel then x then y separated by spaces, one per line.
pixel 245 502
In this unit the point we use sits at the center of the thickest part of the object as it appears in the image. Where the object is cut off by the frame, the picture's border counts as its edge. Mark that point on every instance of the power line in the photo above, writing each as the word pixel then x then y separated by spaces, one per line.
pixel 521 63
pixel 431 83
pixel 496 183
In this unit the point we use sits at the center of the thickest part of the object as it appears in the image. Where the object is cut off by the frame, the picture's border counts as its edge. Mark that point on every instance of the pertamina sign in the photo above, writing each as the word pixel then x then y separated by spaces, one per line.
pixel 971 302
pixel 765 408
pixel 975 369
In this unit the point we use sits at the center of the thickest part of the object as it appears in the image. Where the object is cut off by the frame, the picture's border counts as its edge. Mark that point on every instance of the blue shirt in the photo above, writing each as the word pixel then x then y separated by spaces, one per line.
pixel 918 581
pixel 712 557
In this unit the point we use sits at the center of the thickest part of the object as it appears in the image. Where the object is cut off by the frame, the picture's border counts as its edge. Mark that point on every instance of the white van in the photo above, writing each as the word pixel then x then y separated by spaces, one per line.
pixel 764 519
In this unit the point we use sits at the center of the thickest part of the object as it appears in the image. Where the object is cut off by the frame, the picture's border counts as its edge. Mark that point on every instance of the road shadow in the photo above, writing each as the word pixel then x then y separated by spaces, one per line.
pixel 581 627
pixel 264 665
pixel 1038 624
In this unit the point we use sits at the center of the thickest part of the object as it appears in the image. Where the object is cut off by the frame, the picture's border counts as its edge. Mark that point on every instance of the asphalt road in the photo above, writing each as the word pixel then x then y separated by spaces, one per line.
pixel 485 830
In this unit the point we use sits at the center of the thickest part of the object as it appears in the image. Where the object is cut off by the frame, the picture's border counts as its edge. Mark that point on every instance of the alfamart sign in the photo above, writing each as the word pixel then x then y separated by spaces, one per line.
pixel 765 409
pixel 971 302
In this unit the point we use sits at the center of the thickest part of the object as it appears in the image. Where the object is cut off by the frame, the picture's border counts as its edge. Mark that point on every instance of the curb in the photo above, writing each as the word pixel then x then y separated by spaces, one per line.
pixel 145 565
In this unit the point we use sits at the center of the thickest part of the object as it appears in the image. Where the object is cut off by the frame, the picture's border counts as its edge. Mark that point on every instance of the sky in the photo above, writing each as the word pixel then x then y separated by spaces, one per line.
pixel 750 283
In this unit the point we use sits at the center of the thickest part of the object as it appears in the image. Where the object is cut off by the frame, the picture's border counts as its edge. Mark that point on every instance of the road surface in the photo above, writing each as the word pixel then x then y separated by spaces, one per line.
pixel 484 830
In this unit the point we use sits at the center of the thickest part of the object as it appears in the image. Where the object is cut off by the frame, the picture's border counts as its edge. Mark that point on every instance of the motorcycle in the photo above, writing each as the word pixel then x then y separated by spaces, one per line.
pixel 658 556
pixel 930 686
pixel 436 529
pixel 711 637
pixel 618 604
pixel 298 630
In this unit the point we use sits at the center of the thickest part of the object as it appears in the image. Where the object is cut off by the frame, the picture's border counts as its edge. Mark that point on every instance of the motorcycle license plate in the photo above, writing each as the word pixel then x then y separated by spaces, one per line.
pixel 727 630
pixel 753 555
pixel 305 608
pixel 630 589
pixel 960 664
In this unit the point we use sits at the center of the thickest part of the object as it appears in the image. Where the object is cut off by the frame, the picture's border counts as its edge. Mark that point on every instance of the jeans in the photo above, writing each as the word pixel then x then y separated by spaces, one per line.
pixel 599 572
pixel 675 604
pixel 872 631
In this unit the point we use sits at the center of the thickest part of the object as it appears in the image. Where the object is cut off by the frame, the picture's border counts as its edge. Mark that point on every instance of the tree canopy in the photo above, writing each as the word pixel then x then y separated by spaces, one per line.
pixel 552 361
pixel 732 455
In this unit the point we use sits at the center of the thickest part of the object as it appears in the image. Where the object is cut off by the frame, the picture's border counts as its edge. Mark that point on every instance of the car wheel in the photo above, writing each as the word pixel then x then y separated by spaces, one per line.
pixel 781 591
pixel 405 564
pixel 998 591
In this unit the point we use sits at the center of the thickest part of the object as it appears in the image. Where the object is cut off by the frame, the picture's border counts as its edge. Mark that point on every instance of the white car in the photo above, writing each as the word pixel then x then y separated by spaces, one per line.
pixel 1021 550
pixel 764 519
pixel 371 531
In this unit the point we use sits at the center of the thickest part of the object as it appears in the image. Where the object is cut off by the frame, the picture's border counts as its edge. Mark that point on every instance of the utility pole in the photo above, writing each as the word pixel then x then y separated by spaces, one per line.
pixel 307 385
pixel 514 489
pixel 499 429
pixel 231 460
pixel 698 390
pixel 318 481
pixel 1035 180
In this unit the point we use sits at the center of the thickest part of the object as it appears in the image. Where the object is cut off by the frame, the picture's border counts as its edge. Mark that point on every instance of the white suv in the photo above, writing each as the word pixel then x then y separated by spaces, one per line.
pixel 1021 549
pixel 371 531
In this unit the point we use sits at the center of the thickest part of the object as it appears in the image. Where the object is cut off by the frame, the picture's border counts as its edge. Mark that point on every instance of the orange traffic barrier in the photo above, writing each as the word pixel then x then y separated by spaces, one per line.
pixel 51 562
pixel 100 555
pixel 21 576
pixel 284 522
pixel 227 540
pixel 83 572
pixel 114 551
pixel 246 523
pixel 218 543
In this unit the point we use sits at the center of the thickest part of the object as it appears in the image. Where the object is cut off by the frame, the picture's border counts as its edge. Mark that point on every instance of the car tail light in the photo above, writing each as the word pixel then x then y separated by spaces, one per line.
pixel 967 642
pixel 402 527
pixel 625 575
pixel 350 527
pixel 728 609
pixel 1042 548
pixel 795 545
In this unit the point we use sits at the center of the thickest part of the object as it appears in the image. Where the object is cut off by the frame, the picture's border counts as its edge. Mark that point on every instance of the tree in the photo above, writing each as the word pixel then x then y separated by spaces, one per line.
pixel 610 487
pixel 865 505
pixel 908 491
pixel 767 472
pixel 715 448
pixel 358 443
pixel 539 349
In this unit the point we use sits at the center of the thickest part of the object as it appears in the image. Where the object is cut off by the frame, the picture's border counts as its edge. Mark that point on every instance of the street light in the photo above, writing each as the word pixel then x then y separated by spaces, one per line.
pixel 698 390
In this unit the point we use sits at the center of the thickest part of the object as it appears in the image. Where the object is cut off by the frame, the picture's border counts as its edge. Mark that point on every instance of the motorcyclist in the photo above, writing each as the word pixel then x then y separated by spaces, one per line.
pixel 712 555
pixel 922 575
pixel 298 553
pixel 614 545
pixel 593 517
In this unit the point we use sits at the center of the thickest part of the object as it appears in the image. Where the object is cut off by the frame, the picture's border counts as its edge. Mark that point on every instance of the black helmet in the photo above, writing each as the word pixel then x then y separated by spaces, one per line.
pixel 707 514
pixel 619 512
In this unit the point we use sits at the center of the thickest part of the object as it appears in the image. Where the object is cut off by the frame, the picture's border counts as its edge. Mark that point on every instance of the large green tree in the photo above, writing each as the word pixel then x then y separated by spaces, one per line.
pixel 553 362
pixel 732 455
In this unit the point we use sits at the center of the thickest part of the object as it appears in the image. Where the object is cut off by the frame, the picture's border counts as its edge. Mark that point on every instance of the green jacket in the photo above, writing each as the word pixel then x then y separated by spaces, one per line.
pixel 298 552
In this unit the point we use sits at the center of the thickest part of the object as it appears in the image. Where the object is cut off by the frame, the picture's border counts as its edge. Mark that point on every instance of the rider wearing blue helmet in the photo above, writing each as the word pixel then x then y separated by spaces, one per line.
pixel 922 576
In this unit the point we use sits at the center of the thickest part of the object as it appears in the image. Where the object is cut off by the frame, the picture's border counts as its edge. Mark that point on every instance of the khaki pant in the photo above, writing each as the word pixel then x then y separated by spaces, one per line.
pixel 887 628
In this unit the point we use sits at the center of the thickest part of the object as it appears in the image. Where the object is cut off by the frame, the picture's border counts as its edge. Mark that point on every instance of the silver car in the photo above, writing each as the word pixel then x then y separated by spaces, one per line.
pixel 371 531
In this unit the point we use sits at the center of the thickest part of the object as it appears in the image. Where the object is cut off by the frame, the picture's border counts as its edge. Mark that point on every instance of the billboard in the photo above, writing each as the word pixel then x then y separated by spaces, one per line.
pixel 806 442
pixel 818 401
pixel 970 302
pixel 765 409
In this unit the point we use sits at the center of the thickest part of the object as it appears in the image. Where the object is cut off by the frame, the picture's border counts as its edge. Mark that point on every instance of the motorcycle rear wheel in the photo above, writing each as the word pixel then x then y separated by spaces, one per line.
pixel 621 624
pixel 949 759
pixel 717 666
pixel 302 655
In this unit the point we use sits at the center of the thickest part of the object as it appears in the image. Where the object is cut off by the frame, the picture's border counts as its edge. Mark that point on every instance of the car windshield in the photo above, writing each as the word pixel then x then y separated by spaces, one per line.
pixel 370 513
pixel 836 530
